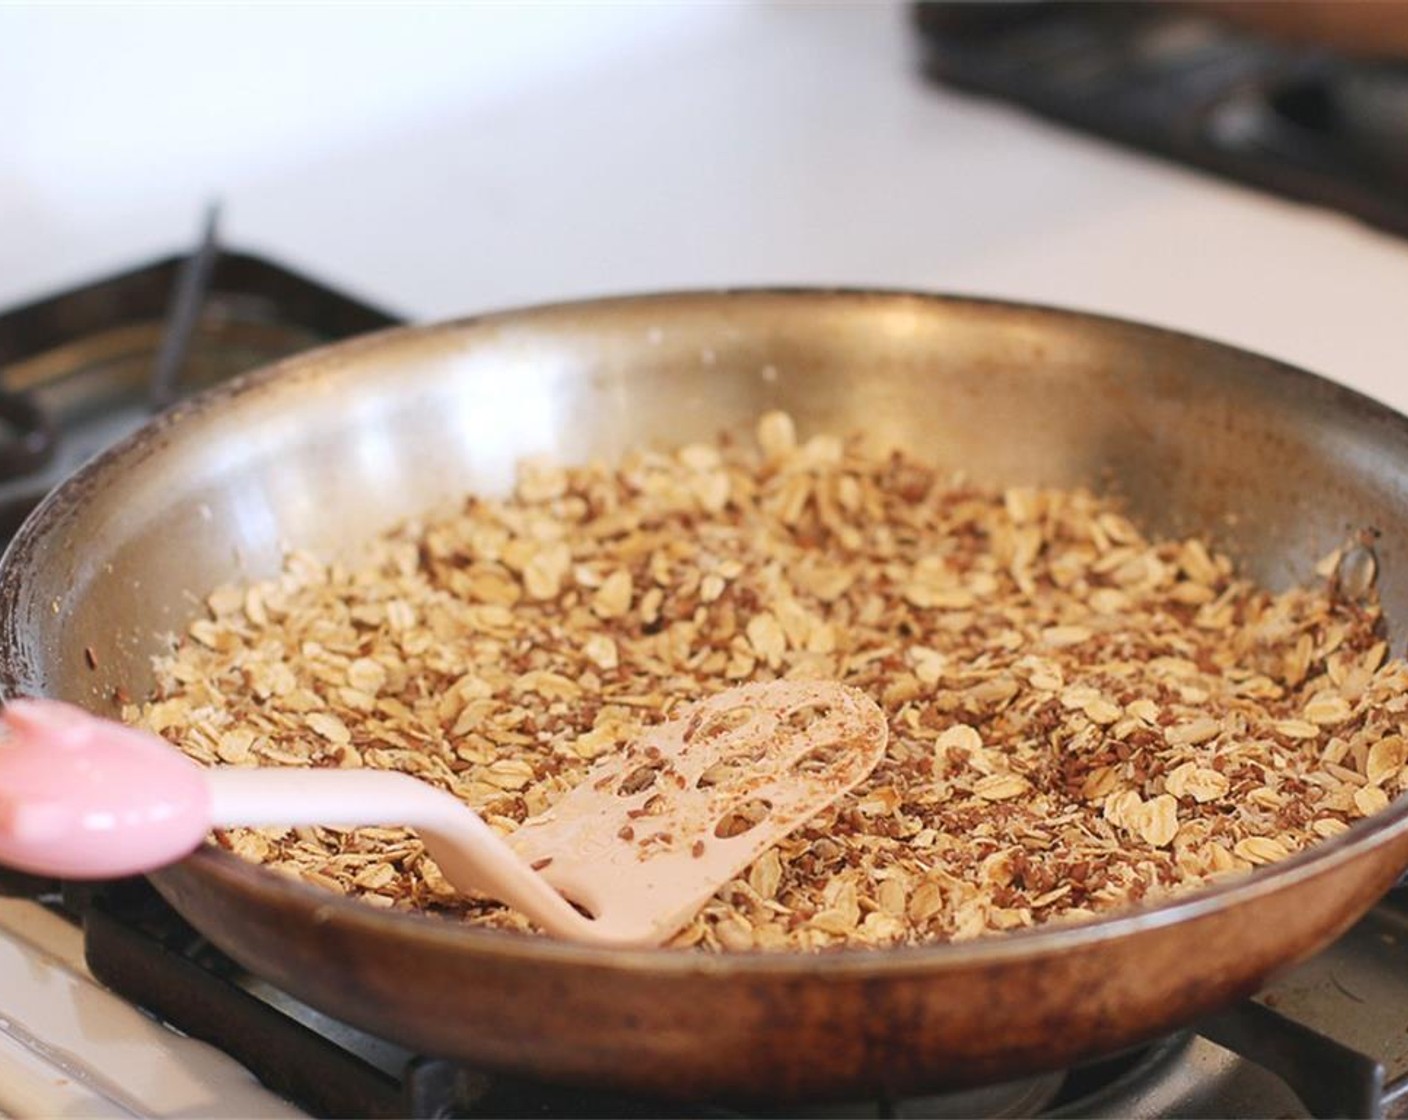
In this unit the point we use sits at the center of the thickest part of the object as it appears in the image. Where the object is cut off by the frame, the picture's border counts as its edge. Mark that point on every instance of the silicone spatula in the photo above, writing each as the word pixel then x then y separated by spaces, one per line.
pixel 627 857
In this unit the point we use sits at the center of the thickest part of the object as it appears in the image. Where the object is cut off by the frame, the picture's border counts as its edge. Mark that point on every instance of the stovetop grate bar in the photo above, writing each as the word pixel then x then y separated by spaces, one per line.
pixel 1331 1079
pixel 187 298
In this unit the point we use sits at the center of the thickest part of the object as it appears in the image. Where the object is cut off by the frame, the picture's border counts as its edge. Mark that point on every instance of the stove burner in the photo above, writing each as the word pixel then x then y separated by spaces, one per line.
pixel 29 436
pixel 1033 1096
pixel 80 370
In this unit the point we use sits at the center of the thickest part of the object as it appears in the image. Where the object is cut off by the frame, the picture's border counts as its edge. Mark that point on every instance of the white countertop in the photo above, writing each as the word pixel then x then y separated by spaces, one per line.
pixel 444 160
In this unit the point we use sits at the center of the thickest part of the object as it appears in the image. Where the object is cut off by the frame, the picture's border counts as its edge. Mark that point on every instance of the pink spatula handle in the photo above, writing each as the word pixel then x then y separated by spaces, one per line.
pixel 83 798
pixel 468 851
pixel 87 798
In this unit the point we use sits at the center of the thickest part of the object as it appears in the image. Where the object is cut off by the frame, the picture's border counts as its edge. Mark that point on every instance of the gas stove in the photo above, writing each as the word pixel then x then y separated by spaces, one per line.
pixel 112 1004
pixel 1320 1042
pixel 1326 1040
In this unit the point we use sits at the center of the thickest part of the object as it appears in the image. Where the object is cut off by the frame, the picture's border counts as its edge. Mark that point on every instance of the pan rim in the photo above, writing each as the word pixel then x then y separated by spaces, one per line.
pixel 849 962
pixel 846 962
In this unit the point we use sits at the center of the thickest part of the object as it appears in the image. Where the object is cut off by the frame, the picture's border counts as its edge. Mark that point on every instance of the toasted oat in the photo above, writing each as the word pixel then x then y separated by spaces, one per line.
pixel 1080 718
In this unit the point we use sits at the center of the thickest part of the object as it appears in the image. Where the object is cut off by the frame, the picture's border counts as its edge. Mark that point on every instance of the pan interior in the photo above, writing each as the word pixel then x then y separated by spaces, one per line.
pixel 326 450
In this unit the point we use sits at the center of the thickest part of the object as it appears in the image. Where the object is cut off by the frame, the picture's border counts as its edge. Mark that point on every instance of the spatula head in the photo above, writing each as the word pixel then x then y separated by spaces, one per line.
pixel 652 833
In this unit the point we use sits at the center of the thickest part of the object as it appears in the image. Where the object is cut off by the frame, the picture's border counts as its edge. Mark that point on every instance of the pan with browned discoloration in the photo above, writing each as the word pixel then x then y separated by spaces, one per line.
pixel 330 447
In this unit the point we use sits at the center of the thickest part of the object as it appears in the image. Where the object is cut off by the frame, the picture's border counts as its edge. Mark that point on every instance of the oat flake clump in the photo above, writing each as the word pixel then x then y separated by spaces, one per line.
pixel 1080 718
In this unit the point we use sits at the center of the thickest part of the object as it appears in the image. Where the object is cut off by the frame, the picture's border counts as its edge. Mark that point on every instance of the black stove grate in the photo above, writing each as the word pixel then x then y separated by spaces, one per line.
pixel 81 369
pixel 144 951
pixel 1297 121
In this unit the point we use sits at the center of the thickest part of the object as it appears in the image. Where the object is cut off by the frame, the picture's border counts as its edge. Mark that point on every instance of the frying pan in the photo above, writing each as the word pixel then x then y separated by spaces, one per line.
pixel 323 450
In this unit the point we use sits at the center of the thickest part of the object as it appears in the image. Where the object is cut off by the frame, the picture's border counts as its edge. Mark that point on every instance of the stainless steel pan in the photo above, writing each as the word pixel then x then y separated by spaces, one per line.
pixel 329 447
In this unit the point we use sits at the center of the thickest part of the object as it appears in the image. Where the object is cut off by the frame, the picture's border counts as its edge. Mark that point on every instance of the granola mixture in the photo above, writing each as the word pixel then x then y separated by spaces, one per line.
pixel 1081 718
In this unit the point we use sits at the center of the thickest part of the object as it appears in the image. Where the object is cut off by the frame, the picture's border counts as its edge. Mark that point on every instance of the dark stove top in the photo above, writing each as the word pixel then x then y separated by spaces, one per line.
pixel 1301 122
pixel 1320 1042
pixel 83 368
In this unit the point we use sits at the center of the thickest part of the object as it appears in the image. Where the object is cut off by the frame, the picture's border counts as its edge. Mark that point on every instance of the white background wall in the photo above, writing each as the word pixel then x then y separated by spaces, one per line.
pixel 120 119
pixel 444 159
